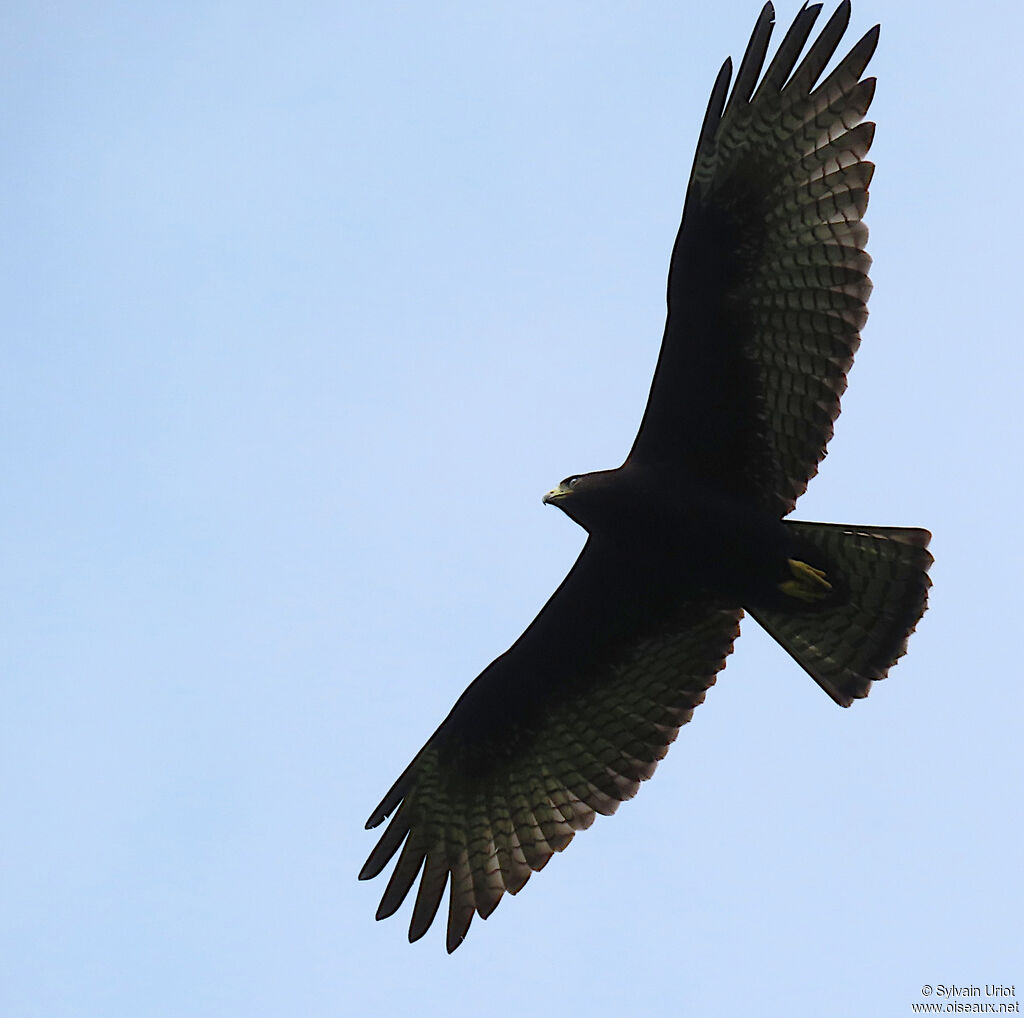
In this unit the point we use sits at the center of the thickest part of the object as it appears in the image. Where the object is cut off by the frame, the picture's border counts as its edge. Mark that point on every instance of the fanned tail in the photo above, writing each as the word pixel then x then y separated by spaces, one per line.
pixel 880 586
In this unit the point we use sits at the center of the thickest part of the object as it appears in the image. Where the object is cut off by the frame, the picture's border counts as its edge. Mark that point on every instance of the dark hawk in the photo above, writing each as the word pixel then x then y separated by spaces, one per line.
pixel 767 293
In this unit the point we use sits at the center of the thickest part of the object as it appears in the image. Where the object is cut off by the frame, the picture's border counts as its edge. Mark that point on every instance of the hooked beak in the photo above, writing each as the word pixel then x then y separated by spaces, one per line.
pixel 555 494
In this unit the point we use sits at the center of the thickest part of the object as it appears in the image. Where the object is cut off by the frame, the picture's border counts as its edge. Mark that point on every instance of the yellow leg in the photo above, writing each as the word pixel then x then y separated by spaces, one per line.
pixel 808 584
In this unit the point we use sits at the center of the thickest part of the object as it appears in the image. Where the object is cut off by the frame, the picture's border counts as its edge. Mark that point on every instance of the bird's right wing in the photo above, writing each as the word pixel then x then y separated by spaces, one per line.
pixel 562 727
pixel 768 281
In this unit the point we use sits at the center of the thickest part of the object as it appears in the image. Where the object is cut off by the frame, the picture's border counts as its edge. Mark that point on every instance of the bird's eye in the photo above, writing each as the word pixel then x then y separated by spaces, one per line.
pixel 570 482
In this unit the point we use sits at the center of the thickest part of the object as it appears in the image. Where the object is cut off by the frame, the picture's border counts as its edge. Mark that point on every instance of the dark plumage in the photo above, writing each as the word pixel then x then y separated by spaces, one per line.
pixel 767 295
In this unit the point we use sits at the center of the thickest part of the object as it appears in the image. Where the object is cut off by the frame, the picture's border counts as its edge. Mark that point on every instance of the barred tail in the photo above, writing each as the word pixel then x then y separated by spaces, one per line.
pixel 880 591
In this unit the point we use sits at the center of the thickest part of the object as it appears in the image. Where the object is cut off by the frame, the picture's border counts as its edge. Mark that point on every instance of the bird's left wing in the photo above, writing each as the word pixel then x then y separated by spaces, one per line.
pixel 768 280
pixel 552 733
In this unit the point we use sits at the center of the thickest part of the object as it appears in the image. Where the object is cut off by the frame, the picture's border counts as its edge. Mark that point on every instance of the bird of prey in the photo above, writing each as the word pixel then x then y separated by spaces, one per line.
pixel 767 290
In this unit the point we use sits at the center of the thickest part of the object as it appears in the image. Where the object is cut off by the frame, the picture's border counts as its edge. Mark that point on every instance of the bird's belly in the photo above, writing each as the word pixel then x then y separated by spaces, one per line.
pixel 719 547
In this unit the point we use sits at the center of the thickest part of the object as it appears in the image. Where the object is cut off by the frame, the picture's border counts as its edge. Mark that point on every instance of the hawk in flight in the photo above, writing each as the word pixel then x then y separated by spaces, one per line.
pixel 767 293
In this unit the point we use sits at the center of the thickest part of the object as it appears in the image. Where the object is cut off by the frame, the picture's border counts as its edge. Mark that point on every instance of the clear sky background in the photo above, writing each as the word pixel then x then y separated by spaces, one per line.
pixel 304 308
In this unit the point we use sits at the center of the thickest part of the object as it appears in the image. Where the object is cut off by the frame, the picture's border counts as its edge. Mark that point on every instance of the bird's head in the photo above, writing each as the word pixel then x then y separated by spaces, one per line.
pixel 583 497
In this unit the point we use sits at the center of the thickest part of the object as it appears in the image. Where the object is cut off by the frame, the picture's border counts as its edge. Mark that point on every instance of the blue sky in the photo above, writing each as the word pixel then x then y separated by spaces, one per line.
pixel 305 307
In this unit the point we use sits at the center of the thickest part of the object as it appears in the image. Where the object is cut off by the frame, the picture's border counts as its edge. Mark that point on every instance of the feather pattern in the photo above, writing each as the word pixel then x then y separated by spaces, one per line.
pixel 854 639
pixel 484 833
pixel 778 192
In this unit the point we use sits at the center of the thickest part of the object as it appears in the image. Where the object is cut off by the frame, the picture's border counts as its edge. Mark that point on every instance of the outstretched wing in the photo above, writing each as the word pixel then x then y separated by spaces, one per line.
pixel 768 281
pixel 562 727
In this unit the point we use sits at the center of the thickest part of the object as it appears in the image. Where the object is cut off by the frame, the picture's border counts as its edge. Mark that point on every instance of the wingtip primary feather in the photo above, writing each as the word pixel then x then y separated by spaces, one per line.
pixel 428 897
pixel 753 59
pixel 789 49
pixel 716 105
pixel 820 51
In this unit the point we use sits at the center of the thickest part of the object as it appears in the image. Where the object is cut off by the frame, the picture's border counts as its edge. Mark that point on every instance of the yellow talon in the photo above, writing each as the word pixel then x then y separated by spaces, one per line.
pixel 808 584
